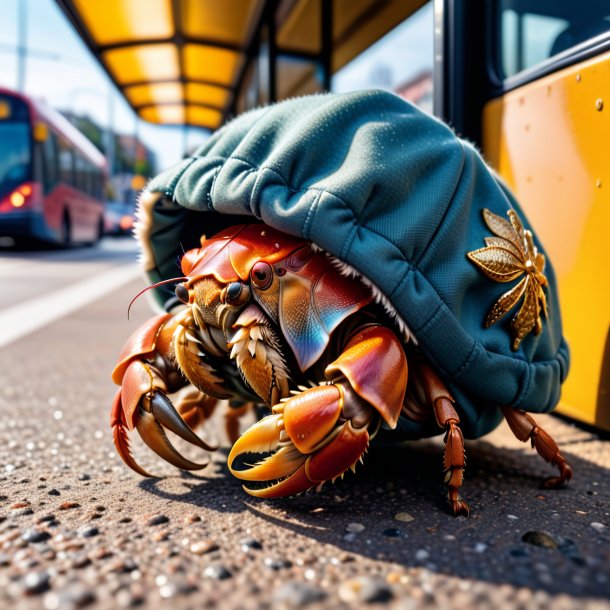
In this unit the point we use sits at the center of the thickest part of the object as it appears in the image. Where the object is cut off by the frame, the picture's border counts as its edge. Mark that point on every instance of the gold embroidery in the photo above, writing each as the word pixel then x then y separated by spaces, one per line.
pixel 508 256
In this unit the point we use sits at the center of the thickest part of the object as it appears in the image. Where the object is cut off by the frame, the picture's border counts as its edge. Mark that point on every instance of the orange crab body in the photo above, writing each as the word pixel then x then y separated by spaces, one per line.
pixel 266 318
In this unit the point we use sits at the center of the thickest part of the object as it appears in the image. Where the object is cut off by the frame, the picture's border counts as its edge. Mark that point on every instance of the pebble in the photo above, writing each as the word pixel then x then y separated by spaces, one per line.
pixel 126 598
pixel 392 532
pixel 46 518
pixel 542 539
pixel 100 553
pixel 84 477
pixel 250 544
pixel 80 561
pixel 365 589
pixel 598 527
pixel 217 572
pixel 201 547
pixel 89 532
pixel 21 508
pixel 157 520
pixel 160 536
pixel 298 594
pixel 277 563
pixel 34 536
pixel 69 505
pixel 354 528
pixel 171 589
pixel 191 518
pixel 54 492
pixel 74 595
pixel 404 517
pixel 35 583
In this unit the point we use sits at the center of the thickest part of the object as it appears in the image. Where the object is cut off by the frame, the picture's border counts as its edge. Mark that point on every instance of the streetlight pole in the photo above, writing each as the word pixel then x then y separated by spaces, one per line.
pixel 22 49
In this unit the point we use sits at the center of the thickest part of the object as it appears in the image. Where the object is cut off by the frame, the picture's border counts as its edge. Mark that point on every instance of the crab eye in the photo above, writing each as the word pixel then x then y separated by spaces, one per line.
pixel 182 293
pixel 233 291
pixel 262 275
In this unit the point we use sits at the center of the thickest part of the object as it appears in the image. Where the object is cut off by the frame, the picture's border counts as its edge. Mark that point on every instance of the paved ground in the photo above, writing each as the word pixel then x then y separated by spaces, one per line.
pixel 78 529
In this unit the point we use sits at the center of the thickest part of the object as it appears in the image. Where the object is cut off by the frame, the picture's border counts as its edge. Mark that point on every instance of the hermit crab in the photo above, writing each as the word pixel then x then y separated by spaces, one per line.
pixel 347 311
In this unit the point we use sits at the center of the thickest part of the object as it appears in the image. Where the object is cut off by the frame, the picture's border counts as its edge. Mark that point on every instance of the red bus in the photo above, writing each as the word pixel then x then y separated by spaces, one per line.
pixel 51 176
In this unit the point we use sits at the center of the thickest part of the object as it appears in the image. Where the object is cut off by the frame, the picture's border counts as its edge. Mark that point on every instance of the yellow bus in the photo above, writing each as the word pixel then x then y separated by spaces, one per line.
pixel 529 81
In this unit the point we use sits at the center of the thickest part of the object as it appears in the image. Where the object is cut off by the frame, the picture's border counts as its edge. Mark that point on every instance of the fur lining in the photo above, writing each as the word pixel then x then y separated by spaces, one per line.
pixel 142 228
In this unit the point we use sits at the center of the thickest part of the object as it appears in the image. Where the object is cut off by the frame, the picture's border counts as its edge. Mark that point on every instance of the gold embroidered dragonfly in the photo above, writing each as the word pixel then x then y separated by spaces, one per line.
pixel 508 256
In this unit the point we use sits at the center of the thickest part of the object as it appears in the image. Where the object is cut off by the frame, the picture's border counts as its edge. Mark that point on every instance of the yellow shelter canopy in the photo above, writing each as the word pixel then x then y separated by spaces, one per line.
pixel 197 62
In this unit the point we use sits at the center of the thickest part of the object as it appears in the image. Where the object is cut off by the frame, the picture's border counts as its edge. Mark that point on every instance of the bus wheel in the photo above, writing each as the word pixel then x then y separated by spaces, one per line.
pixel 66 230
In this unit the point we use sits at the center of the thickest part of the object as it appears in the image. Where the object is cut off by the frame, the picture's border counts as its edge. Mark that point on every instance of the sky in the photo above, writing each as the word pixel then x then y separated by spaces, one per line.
pixel 62 71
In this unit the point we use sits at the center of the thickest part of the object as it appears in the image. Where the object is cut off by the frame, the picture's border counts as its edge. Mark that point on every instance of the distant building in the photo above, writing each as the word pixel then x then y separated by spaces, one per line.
pixel 418 90
pixel 132 161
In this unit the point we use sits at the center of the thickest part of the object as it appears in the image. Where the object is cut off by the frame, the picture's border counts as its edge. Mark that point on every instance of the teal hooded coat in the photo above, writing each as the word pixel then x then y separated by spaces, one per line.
pixel 395 194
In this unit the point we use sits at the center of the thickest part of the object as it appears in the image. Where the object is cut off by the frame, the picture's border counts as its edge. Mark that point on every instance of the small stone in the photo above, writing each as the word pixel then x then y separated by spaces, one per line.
pixel 100 553
pixel 422 555
pixel 80 561
pixel 404 517
pixel 160 536
pixel 191 518
pixel 33 536
pixel 365 589
pixel 126 598
pixel 36 582
pixel 277 563
pixel 157 520
pixel 76 595
pixel 20 509
pixel 298 594
pixel 392 532
pixel 217 572
pixel 541 539
pixel 69 505
pixel 201 547
pixel 89 532
pixel 598 527
pixel 46 519
pixel 480 547
pixel 250 544
pixel 375 591
pixel 54 492
pixel 354 528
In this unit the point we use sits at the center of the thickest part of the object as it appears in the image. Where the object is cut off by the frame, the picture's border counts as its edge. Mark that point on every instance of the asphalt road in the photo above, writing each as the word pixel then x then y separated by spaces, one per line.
pixel 79 529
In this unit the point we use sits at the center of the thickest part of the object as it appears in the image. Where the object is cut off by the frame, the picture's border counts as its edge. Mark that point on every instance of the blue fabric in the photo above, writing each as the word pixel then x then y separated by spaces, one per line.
pixel 394 193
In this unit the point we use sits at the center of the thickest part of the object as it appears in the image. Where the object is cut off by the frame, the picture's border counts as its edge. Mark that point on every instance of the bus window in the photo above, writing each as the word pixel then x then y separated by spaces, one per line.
pixel 531 33
pixel 50 166
pixel 15 143
pixel 66 162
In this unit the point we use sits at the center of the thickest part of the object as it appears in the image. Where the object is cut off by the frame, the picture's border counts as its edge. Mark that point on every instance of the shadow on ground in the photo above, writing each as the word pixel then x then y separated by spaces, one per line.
pixel 394 509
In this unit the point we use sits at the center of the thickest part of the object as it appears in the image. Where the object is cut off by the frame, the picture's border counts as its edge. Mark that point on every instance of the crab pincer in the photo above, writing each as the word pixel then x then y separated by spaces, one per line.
pixel 320 432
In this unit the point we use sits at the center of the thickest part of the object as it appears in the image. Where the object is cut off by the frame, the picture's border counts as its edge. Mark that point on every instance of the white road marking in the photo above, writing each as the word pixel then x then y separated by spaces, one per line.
pixel 23 319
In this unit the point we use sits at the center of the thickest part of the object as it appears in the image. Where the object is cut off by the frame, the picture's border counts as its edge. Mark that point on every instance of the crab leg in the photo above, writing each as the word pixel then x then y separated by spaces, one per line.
pixel 524 427
pixel 321 432
pixel 146 374
pixel 446 416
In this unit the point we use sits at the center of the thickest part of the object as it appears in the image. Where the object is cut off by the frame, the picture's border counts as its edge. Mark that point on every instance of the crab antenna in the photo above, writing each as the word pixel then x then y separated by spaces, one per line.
pixel 174 280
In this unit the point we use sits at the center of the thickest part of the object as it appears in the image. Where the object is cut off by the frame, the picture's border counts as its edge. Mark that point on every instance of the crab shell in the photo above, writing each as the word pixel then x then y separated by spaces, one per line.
pixel 312 299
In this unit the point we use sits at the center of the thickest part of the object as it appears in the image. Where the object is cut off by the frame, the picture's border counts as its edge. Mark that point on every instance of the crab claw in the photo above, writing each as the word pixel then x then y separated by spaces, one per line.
pixel 309 443
pixel 148 409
